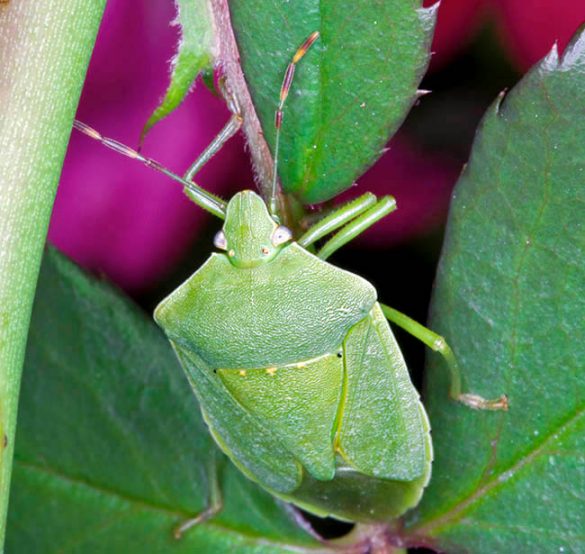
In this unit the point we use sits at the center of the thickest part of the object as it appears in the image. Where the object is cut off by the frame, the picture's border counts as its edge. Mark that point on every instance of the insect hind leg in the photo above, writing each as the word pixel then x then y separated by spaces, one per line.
pixel 439 344
pixel 215 500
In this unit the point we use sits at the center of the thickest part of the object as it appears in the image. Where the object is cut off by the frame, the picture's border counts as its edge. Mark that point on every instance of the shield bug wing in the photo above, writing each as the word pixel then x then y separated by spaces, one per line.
pixel 356 496
pixel 382 443
pixel 299 403
pixel 249 443
pixel 381 432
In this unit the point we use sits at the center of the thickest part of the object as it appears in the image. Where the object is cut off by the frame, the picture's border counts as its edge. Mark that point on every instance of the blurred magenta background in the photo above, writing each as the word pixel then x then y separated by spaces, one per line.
pixel 118 218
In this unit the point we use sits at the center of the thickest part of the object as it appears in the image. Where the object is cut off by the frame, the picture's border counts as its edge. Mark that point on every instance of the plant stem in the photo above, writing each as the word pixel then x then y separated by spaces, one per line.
pixel 44 52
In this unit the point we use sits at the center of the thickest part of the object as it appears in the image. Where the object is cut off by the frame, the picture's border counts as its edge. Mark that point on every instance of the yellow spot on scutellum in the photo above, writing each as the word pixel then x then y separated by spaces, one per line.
pixel 242 372
pixel 271 371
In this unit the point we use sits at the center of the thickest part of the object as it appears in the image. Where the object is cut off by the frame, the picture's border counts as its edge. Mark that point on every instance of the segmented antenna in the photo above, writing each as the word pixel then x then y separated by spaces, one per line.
pixel 205 199
pixel 284 90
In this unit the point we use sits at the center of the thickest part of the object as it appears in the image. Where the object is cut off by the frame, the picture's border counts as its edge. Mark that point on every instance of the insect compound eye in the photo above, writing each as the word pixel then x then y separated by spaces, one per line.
pixel 219 241
pixel 281 235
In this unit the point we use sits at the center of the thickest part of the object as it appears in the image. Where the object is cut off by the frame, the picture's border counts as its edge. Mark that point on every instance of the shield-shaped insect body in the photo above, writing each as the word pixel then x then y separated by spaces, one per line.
pixel 298 374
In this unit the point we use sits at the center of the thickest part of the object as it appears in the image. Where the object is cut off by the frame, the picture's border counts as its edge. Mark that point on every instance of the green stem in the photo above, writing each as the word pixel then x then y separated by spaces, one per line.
pixel 375 538
pixel 44 52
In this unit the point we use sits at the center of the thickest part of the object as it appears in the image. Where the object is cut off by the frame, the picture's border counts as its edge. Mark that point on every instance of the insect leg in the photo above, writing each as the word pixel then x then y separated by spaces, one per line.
pixel 382 208
pixel 200 196
pixel 215 501
pixel 337 219
pixel 230 129
pixel 438 344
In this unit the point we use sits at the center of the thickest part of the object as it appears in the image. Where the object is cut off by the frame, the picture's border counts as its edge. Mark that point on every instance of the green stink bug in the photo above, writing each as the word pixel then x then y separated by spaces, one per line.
pixel 292 359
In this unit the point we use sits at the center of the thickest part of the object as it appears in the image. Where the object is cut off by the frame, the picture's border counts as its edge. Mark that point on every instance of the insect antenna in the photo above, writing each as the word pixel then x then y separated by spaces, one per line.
pixel 203 198
pixel 284 90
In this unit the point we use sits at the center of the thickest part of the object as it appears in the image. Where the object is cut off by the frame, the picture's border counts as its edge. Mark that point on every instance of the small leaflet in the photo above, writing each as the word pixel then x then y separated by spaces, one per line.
pixel 196 53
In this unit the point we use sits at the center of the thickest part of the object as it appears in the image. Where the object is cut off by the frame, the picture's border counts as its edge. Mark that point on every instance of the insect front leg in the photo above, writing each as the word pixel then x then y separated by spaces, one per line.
pixel 230 129
pixel 379 210
pixel 213 204
pixel 337 219
pixel 349 220
pixel 215 499
pixel 438 344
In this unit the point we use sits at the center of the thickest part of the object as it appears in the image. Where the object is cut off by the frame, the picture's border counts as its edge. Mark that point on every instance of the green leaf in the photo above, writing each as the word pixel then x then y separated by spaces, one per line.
pixel 111 447
pixel 510 297
pixel 351 91
pixel 196 53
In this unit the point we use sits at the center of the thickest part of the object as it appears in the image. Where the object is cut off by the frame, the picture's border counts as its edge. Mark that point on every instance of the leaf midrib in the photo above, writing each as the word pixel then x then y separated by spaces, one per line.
pixel 458 510
pixel 158 508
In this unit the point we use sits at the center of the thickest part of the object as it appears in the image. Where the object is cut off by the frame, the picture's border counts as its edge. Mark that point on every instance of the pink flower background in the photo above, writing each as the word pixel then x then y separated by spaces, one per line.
pixel 117 217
